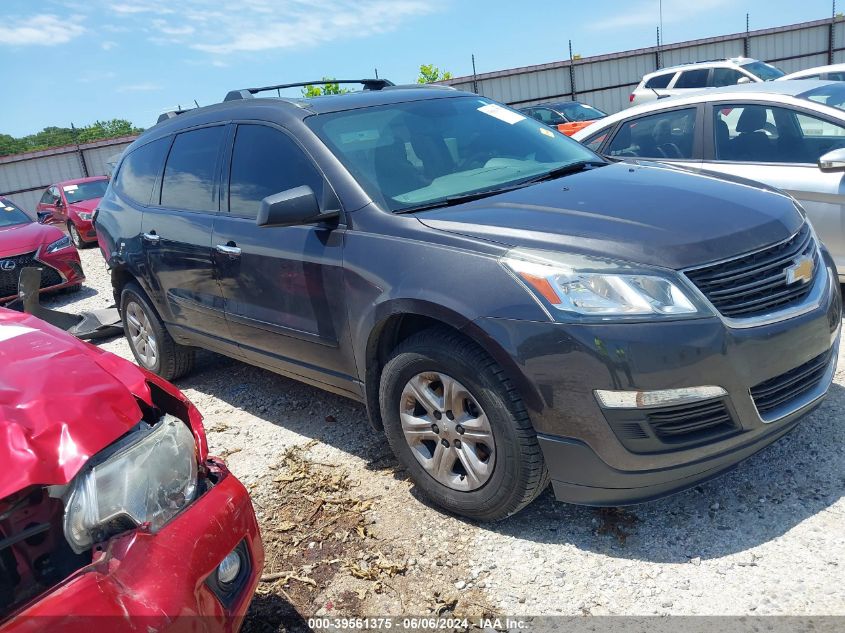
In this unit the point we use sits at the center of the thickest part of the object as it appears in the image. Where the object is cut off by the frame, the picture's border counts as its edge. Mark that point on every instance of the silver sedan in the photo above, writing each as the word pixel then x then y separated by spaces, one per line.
pixel 787 134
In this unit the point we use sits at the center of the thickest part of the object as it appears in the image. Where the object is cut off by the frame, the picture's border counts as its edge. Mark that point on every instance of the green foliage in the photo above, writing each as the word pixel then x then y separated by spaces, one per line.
pixel 58 136
pixel 326 89
pixel 429 73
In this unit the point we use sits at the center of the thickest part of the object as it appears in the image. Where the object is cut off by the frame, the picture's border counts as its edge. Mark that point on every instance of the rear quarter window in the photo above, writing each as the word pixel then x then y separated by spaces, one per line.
pixel 139 170
pixel 659 81
pixel 693 78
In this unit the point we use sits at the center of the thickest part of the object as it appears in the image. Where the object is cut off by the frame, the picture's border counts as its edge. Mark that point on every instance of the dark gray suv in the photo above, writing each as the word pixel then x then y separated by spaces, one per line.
pixel 511 307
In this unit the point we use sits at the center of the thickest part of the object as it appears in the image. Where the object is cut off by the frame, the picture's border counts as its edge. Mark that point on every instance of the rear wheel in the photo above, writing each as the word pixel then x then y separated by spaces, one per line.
pixel 151 344
pixel 459 427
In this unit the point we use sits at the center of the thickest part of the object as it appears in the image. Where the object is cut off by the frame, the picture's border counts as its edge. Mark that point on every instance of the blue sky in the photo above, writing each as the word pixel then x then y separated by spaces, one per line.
pixel 78 61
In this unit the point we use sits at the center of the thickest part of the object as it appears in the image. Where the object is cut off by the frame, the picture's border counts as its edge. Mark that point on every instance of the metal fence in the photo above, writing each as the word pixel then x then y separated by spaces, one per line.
pixel 606 81
pixel 23 177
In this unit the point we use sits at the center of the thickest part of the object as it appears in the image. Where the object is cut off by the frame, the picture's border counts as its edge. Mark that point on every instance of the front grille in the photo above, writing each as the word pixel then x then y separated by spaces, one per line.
pixel 9 278
pixel 671 428
pixel 790 386
pixel 756 283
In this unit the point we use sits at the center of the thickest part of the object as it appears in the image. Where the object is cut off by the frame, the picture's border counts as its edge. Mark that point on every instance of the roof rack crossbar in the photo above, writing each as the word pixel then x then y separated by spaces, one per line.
pixel 249 93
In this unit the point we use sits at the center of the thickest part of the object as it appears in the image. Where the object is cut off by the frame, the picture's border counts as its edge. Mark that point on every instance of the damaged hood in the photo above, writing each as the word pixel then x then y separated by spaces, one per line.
pixel 643 213
pixel 61 402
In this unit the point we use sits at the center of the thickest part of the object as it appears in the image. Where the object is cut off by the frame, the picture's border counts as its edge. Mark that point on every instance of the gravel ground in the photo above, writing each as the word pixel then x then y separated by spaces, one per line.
pixel 764 539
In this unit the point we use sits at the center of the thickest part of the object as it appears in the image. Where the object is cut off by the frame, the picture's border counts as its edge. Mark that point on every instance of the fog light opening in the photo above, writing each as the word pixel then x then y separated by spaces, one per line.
pixel 229 568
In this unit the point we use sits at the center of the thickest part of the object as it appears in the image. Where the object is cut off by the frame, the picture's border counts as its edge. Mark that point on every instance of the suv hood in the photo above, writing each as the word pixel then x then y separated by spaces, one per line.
pixel 645 213
pixel 26 238
pixel 64 402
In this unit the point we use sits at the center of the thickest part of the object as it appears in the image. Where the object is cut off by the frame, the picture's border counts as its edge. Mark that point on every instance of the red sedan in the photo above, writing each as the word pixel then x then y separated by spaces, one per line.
pixel 72 203
pixel 113 517
pixel 27 243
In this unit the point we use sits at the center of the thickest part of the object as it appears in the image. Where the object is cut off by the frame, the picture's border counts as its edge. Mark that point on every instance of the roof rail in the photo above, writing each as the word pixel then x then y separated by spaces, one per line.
pixel 169 115
pixel 249 93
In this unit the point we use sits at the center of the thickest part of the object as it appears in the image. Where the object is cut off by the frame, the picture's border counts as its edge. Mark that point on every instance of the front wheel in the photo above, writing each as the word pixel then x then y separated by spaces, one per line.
pixel 75 237
pixel 459 427
pixel 151 344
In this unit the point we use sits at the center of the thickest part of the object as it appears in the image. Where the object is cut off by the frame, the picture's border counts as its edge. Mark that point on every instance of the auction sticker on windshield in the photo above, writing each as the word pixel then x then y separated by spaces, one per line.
pixel 503 114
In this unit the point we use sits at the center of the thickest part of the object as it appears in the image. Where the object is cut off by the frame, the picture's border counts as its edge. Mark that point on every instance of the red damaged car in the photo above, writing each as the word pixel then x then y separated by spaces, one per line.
pixel 27 243
pixel 112 515
pixel 72 203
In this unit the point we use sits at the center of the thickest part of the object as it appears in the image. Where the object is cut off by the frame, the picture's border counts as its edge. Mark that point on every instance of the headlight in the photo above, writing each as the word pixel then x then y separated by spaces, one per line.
pixel 84 215
pixel 149 480
pixel 59 244
pixel 593 287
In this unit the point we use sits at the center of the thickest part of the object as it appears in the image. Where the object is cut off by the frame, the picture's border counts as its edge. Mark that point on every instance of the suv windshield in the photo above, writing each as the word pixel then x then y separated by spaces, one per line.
pixel 85 190
pixel 421 152
pixel 579 112
pixel 10 215
pixel 764 71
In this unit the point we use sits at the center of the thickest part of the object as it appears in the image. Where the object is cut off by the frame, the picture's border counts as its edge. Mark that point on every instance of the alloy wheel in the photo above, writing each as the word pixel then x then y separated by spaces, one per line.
pixel 447 431
pixel 141 335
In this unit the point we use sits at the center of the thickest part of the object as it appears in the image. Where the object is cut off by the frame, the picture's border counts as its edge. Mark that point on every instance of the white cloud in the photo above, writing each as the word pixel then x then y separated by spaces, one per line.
pixel 43 29
pixel 108 45
pixel 221 27
pixel 646 13
pixel 142 87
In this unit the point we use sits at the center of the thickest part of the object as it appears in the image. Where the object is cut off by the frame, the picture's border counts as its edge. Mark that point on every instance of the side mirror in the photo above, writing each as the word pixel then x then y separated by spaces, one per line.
pixel 834 160
pixel 743 80
pixel 289 208
pixel 59 203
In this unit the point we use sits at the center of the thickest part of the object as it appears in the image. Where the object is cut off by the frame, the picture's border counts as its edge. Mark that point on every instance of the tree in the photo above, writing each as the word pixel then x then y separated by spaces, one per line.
pixel 327 89
pixel 429 73
pixel 53 136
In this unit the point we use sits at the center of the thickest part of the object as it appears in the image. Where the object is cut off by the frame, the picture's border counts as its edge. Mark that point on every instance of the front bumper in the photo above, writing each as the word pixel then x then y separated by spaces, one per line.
pixel 558 367
pixel 146 582
pixel 61 269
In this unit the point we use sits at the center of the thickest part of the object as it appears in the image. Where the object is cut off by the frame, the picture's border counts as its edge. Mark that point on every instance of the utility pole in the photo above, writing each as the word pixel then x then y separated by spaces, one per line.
pixel 657 52
pixel 745 46
pixel 831 34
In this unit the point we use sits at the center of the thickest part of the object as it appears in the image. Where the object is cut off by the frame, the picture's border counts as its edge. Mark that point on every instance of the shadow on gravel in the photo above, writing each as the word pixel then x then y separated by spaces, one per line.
pixel 763 498
pixel 270 613
pixel 62 298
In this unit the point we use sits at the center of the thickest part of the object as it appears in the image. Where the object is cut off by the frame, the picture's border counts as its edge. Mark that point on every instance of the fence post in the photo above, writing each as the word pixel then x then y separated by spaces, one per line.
pixel 571 72
pixel 745 43
pixel 474 77
pixel 831 33
pixel 657 51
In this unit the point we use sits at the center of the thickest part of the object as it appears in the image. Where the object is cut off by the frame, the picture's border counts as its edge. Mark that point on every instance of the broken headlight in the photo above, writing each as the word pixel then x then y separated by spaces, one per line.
pixel 148 480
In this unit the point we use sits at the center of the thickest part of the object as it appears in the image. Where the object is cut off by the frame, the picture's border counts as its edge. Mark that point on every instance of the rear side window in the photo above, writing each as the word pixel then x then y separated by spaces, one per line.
pixel 265 161
pixel 595 141
pixel 837 76
pixel 725 77
pixel 667 135
pixel 139 170
pixel 660 81
pixel 693 78
pixel 189 174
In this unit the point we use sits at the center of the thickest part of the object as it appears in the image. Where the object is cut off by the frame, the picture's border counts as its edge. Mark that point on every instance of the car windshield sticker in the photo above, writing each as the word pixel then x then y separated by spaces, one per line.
pixel 11 331
pixel 547 132
pixel 69 188
pixel 503 114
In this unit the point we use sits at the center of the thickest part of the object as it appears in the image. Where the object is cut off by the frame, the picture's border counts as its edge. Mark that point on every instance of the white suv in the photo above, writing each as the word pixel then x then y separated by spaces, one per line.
pixel 678 80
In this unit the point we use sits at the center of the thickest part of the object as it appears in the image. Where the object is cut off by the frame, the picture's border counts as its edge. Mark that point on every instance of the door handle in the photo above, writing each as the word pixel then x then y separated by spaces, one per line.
pixel 229 249
pixel 152 237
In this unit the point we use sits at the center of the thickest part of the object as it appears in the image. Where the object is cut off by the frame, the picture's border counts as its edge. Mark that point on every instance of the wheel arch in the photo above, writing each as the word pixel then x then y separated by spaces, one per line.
pixel 400 320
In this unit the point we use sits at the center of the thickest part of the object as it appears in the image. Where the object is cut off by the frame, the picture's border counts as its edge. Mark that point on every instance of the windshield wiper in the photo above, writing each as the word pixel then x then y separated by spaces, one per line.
pixel 449 201
pixel 565 170
pixel 557 172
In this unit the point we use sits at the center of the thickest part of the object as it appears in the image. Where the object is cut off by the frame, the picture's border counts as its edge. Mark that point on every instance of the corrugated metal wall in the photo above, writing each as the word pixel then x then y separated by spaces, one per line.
pixel 23 177
pixel 605 81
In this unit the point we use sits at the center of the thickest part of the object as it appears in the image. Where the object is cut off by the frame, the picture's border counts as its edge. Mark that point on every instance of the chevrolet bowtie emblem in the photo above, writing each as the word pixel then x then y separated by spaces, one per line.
pixel 801 270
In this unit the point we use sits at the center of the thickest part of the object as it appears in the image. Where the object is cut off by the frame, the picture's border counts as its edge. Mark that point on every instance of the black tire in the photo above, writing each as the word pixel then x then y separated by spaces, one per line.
pixel 519 474
pixel 172 360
